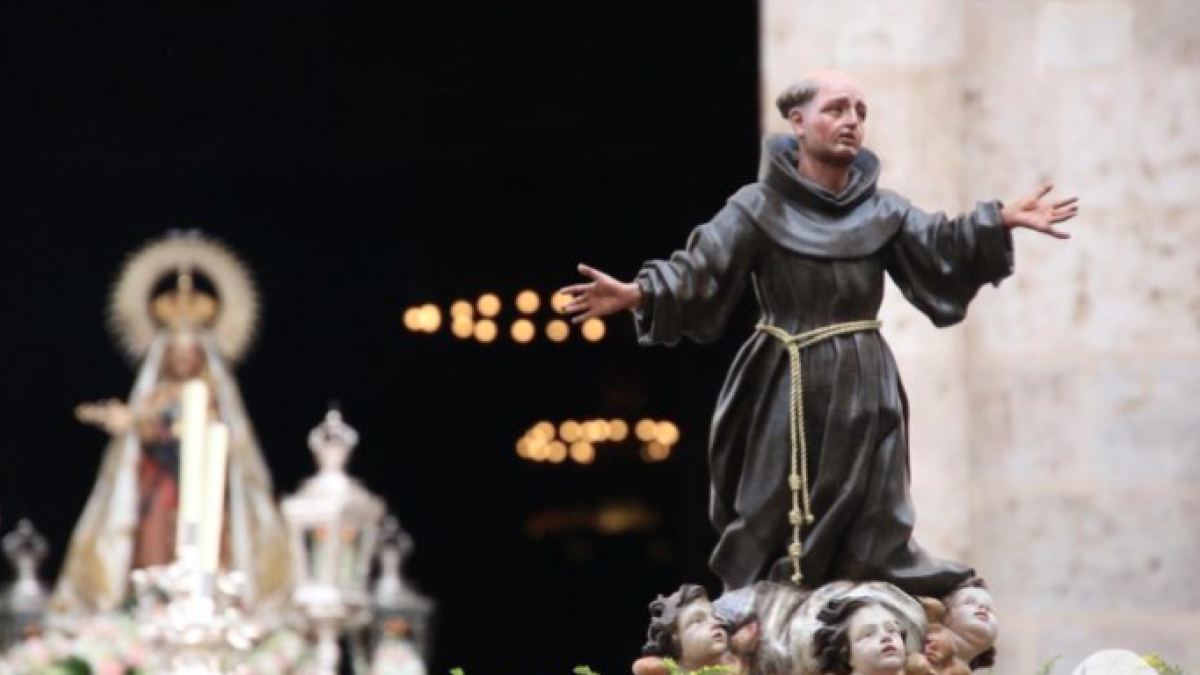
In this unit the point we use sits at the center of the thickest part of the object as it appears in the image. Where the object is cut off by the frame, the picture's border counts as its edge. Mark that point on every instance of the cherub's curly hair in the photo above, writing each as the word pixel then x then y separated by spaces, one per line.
pixel 662 638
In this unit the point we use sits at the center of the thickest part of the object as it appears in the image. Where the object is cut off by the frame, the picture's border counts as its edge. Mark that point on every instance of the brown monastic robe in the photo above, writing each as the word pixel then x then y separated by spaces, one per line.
pixel 815 259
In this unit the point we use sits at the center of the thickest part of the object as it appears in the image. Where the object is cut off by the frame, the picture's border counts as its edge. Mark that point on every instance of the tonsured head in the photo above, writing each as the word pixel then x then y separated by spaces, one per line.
pixel 828 112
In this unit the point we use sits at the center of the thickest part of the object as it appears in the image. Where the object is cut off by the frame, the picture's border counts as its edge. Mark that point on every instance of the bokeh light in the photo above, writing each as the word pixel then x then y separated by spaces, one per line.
pixel 412 318
pixel 618 430
pixel 655 452
pixel 593 330
pixel 528 302
pixel 488 305
pixel 558 330
pixel 595 431
pixel 462 327
pixel 523 330
pixel 578 439
pixel 667 433
pixel 462 308
pixel 583 452
pixel 569 431
pixel 558 302
pixel 646 430
pixel 543 430
pixel 429 318
pixel 485 330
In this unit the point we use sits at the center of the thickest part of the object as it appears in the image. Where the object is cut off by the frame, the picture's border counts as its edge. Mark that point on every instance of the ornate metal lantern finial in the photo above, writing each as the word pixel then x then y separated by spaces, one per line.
pixel 332 442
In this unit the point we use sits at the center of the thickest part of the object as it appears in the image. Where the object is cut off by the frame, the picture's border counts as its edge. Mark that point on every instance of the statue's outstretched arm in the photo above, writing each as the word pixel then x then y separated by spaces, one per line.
pixel 111 416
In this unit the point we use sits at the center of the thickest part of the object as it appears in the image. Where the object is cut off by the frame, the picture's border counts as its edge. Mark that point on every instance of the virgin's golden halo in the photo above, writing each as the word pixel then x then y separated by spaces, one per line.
pixel 137 312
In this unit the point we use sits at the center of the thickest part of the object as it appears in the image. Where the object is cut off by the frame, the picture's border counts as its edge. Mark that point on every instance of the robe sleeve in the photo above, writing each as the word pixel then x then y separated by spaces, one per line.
pixel 940 263
pixel 693 293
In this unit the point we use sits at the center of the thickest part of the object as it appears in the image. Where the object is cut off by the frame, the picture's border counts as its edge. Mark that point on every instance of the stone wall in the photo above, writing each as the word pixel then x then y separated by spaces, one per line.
pixel 1056 434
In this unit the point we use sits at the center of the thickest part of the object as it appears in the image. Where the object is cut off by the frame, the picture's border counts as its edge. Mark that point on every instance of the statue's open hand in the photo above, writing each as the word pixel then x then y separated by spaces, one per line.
pixel 112 416
pixel 1037 213
pixel 602 296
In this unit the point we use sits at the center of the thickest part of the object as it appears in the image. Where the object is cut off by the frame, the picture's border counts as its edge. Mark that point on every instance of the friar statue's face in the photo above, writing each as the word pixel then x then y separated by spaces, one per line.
pixel 876 642
pixel 832 127
pixel 703 640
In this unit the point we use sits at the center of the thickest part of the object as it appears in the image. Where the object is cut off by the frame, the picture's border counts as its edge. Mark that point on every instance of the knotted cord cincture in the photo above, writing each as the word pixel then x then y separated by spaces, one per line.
pixel 801 513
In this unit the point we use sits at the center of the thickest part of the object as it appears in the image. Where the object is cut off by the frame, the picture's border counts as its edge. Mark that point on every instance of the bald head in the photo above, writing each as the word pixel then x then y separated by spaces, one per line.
pixel 800 94
pixel 827 111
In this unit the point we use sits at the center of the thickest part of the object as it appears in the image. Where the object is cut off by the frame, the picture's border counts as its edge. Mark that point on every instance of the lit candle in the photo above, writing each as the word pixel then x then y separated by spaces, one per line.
pixel 213 513
pixel 193 425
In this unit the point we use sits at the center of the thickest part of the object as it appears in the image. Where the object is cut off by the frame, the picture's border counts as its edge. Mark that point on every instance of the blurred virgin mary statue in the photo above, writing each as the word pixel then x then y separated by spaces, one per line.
pixel 179 331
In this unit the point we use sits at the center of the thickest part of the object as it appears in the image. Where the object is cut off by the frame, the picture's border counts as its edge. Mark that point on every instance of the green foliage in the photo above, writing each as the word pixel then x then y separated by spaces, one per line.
pixel 71 666
pixel 1048 666
pixel 1156 662
pixel 714 670
pixel 674 669
pixel 77 666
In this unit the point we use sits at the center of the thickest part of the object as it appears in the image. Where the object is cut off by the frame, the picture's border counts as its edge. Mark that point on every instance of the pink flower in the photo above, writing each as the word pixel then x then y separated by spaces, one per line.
pixel 37 652
pixel 135 656
pixel 110 667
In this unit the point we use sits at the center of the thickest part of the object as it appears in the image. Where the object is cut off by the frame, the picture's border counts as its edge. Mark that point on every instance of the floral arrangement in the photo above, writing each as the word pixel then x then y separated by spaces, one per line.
pixel 107 645
pixel 111 644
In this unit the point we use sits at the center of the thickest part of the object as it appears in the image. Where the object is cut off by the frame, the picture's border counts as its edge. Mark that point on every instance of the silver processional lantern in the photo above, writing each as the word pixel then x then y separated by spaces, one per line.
pixel 334 523
pixel 23 603
pixel 399 610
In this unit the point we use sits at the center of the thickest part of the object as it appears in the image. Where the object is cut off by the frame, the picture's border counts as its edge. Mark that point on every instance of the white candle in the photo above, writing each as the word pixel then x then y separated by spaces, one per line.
pixel 193 427
pixel 213 513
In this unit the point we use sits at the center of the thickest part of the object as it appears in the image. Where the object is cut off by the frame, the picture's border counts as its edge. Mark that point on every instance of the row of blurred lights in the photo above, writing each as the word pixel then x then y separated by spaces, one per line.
pixel 478 321
pixel 577 441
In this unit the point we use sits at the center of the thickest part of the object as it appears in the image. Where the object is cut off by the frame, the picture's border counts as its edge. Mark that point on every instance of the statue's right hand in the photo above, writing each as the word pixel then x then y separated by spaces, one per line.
pixel 602 296
pixel 112 416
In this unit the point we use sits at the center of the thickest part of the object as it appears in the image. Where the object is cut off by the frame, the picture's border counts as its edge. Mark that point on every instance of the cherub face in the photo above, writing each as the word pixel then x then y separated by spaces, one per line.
pixel 939 646
pixel 876 642
pixel 702 639
pixel 970 613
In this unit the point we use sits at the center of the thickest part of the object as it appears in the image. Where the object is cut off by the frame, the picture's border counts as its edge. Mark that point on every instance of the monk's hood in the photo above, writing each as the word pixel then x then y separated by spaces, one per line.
pixel 806 218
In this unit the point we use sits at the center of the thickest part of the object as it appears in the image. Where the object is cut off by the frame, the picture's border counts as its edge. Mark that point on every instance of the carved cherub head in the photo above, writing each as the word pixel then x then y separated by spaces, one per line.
pixel 939 653
pixel 859 636
pixel 683 627
pixel 971 617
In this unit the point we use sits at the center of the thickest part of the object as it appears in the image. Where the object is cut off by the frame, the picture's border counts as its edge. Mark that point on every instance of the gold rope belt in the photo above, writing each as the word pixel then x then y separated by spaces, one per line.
pixel 801 513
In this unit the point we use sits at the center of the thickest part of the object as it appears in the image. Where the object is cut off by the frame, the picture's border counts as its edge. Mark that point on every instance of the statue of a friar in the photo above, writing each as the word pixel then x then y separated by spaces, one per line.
pixel 809 448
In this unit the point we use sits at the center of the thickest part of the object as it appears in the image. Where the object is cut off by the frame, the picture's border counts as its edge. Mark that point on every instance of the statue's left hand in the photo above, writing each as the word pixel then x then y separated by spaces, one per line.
pixel 1037 213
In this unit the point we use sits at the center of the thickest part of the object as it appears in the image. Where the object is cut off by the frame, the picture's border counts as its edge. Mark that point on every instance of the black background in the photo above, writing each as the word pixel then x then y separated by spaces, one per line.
pixel 363 159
